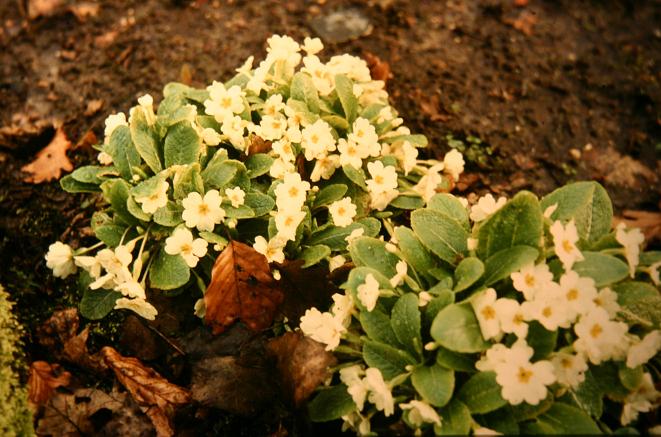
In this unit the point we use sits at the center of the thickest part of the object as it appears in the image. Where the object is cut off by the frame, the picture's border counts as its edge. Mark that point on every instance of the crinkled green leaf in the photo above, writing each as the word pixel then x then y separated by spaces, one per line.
pixel 371 252
pixel 302 88
pixel 314 254
pixel 468 272
pixel 456 328
pixel 388 359
pixel 258 164
pixel 260 203
pixel 502 264
pixel 96 304
pixel 168 272
pixel 145 141
pixel 481 393
pixel 182 145
pixel 640 302
pixel 455 419
pixel 604 269
pixel 329 194
pixel 455 360
pixel 450 206
pixel 377 326
pixel 440 234
pixel 348 100
pixel 334 237
pixel 169 215
pixel 116 192
pixel 331 404
pixel 136 210
pixel 124 154
pixel 355 175
pixel 406 324
pixel 434 383
pixel 407 202
pixel 414 252
pixel 564 419
pixel 71 185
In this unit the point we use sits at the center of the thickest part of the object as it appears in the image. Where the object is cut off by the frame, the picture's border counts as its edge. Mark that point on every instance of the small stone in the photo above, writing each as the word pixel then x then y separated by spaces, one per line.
pixel 341 26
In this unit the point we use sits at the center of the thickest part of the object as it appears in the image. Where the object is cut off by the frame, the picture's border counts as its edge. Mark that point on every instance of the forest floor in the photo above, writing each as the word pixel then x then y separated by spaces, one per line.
pixel 539 93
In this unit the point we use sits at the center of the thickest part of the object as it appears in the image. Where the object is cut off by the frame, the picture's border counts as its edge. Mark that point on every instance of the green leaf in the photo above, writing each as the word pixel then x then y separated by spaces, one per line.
pixel 196 95
pixel 96 304
pixel 187 180
pixel 455 419
pixel 377 326
pixel 467 273
pixel 435 384
pixel 370 252
pixel 501 264
pixel 565 419
pixel 168 272
pixel 630 378
pixel 585 202
pixel 525 411
pixel 442 299
pixel 407 202
pixel 349 102
pixel 214 238
pixel 302 88
pixel 604 269
pixel 440 234
pixel 314 254
pixel 414 252
pixel 355 175
pixel 106 230
pixel 136 210
pixel 71 185
pixel 589 396
pixel 416 139
pixel 330 404
pixel 228 173
pixel 258 164
pixel 334 237
pixel 329 194
pixel 607 379
pixel 455 360
pixel 498 421
pixel 337 122
pixel 481 393
pixel 88 174
pixel 518 223
pixel 640 302
pixel 389 360
pixel 541 340
pixel 116 192
pixel 123 151
pixel 449 205
pixel 169 215
pixel 260 203
pixel 456 328
pixel 144 139
pixel 182 145
pixel 405 322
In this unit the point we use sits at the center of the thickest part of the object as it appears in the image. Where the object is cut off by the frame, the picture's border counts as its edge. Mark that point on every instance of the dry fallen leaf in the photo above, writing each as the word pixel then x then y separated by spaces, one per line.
pixel 44 379
pixel 241 287
pixel 380 70
pixel 259 145
pixel 304 289
pixel 38 8
pixel 649 222
pixel 50 161
pixel 302 364
pixel 93 106
pixel 157 397
pixel 84 10
pixel 430 105
pixel 524 22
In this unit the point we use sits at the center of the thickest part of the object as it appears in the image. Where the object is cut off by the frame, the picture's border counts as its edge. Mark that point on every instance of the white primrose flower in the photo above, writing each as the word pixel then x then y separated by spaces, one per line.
pixel 641 352
pixel 272 127
pixel 132 288
pixel 88 263
pixel 210 137
pixel 284 150
pixel 401 269
pixel 342 212
pixel 485 311
pixel 428 183
pixel 281 167
pixel 485 207
pixel 204 213
pixel 511 317
pixel 368 292
pixel 564 241
pixel 272 249
pixel 424 298
pixel 317 140
pixel 322 327
pixel 291 193
pixel 104 158
pixel 548 212
pixel 406 154
pixel 357 422
pixel 380 394
pixel 454 163
pixel 343 307
pixel 374 92
pixel 351 153
pixel 653 271
pixel 312 46
pixel 158 199
pixel 522 380
pixel 472 243
pixel 380 201
pixel 599 338
pixel 273 106
pixel 324 167
pixel 495 355
pixel 181 242
pixel 357 387
pixel 548 308
pixel 139 306
pixel 223 103
pixel 60 259
pixel 354 234
pixel 631 241
pixel 644 399
pixel 287 221
pixel 112 122
pixel 578 294
pixel 336 262
pixel 283 48
pixel 531 278
pixel 569 368
pixel 607 299
pixel 384 178
pixel 233 127
pixel 236 196
pixel 322 77
pixel 353 67
pixel 364 135
pixel 421 412
pixel 116 264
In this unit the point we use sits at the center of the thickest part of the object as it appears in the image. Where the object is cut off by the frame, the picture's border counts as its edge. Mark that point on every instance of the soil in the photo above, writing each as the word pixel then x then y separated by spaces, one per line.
pixel 554 90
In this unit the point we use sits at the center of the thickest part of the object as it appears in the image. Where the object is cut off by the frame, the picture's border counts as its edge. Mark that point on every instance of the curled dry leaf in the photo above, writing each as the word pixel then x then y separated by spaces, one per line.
pixel 44 379
pixel 302 364
pixel 380 70
pixel 157 397
pixel 50 161
pixel 241 287
pixel 259 145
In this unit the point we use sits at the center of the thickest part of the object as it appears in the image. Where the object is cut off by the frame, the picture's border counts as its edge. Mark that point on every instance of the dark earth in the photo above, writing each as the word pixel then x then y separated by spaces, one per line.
pixel 538 93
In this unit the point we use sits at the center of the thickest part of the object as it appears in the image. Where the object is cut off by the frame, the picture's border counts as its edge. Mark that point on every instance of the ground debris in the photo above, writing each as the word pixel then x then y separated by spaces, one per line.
pixel 44 379
pixel 50 161
pixel 342 25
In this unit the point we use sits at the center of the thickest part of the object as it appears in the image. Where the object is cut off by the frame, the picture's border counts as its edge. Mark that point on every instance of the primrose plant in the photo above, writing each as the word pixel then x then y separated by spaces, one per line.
pixel 295 157
pixel 519 316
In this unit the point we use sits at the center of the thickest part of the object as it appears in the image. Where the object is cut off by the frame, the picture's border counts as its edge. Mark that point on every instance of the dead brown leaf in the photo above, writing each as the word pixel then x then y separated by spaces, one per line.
pixel 23 129
pixel 44 379
pixel 302 364
pixel 226 384
pixel 50 161
pixel 380 70
pixel 524 22
pixel 430 105
pixel 649 222
pixel 38 8
pixel 105 40
pixel 304 288
pixel 186 74
pixel 84 10
pixel 259 145
pixel 93 106
pixel 617 169
pixel 157 397
pixel 241 287
pixel 87 140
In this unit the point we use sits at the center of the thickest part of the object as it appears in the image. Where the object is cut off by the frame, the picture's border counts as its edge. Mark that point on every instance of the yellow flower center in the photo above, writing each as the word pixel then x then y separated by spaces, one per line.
pixel 524 375
pixel 566 363
pixel 203 209
pixel 567 246
pixel 314 138
pixel 547 311
pixel 186 248
pixel 293 191
pixel 341 211
pixel 226 102
pixel 488 312
pixel 572 294
pixel 530 280
pixel 596 330
pixel 378 179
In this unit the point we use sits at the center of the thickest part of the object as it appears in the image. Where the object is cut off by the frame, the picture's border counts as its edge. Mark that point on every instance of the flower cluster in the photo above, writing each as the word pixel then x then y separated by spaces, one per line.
pixel 305 153
pixel 490 307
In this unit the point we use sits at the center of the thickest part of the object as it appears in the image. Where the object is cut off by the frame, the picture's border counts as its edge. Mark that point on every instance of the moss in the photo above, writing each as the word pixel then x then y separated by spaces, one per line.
pixel 15 416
